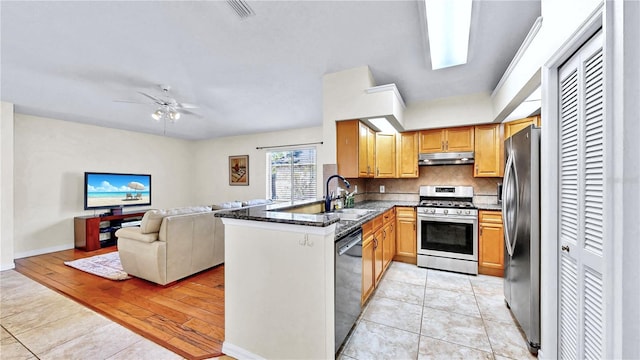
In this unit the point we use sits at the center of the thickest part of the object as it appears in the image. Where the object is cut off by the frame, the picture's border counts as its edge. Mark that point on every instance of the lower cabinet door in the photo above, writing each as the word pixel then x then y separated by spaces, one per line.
pixel 378 263
pixel 491 241
pixel 367 267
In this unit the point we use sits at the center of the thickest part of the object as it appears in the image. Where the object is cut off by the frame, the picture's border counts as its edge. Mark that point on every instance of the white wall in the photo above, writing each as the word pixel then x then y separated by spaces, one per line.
pixel 449 112
pixel 6 186
pixel 211 175
pixel 559 20
pixel 50 158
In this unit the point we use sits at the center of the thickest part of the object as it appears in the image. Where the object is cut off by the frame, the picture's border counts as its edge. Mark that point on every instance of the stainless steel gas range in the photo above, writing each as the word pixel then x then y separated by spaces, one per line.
pixel 448 229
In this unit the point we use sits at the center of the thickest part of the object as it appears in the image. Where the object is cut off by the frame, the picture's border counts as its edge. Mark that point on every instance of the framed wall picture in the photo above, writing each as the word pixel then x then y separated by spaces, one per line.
pixel 239 170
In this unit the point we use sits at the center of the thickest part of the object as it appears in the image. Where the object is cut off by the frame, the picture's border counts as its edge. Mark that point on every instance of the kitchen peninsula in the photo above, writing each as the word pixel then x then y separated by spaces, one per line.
pixel 280 279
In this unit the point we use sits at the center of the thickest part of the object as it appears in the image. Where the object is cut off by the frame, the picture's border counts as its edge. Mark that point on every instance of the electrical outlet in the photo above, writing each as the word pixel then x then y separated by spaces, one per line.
pixel 381 188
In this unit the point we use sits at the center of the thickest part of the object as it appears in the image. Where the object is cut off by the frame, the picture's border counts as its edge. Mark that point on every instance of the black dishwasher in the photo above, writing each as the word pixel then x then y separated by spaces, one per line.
pixel 348 284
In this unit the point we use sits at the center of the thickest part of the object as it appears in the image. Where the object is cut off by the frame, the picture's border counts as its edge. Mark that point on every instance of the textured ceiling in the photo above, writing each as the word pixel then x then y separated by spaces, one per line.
pixel 71 60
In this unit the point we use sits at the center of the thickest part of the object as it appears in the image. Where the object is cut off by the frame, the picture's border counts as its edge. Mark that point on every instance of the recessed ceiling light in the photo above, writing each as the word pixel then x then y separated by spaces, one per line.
pixel 448 24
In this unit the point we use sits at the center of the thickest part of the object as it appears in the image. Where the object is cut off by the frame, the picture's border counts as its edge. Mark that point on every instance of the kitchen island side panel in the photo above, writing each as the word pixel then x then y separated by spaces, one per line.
pixel 279 290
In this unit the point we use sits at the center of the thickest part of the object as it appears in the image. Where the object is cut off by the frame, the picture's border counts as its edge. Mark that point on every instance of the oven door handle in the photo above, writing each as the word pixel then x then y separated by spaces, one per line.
pixel 510 205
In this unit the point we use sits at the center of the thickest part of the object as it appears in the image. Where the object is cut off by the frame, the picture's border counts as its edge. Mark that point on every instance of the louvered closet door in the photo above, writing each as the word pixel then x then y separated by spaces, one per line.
pixel 581 203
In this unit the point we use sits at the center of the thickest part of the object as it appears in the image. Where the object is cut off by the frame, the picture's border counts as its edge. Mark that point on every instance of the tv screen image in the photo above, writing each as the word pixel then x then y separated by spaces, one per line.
pixel 110 190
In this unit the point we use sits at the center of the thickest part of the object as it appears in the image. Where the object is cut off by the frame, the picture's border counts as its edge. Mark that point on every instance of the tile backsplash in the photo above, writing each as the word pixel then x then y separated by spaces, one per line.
pixel 407 189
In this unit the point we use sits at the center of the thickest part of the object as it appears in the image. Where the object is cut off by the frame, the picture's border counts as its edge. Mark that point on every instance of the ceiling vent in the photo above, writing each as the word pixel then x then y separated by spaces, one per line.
pixel 241 8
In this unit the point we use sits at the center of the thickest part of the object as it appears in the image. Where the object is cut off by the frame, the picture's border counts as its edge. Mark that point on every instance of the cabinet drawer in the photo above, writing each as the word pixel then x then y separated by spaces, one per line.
pixel 367 228
pixel 377 222
pixel 388 215
pixel 405 212
pixel 493 217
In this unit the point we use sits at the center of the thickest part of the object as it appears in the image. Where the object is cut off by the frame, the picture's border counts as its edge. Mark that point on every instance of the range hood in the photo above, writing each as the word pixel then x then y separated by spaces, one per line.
pixel 446 158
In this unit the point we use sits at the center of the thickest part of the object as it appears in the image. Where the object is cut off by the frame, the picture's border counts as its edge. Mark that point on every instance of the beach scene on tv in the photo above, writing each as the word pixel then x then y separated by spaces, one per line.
pixel 104 190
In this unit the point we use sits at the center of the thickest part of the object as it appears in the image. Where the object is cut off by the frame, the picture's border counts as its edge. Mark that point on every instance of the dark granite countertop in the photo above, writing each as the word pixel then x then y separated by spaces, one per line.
pixel 484 206
pixel 270 213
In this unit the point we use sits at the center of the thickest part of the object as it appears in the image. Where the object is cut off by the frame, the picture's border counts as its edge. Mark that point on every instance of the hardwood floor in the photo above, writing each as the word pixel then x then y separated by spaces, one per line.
pixel 186 317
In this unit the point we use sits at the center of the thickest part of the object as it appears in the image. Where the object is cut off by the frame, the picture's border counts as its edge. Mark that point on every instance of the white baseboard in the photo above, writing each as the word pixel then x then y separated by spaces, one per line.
pixel 10 266
pixel 238 352
pixel 25 254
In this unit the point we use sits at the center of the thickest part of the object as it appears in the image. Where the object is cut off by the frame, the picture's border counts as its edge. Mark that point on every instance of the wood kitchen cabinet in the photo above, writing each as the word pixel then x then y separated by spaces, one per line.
pixel 388 237
pixel 385 157
pixel 489 152
pixel 407 154
pixel 406 240
pixel 355 149
pixel 456 139
pixel 490 243
pixel 376 252
pixel 513 127
pixel 368 251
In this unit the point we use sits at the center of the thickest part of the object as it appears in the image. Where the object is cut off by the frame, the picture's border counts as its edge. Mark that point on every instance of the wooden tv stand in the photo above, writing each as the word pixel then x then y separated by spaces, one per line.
pixel 95 232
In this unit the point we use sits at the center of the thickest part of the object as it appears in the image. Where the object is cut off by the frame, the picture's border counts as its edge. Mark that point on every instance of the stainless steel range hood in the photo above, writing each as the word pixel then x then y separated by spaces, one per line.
pixel 446 158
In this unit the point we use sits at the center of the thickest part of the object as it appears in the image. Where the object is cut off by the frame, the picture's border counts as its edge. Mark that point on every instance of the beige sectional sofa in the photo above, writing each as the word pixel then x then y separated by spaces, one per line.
pixel 172 244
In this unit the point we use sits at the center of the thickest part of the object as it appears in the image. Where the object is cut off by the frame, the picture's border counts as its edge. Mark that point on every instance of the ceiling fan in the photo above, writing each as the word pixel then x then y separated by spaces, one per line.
pixel 168 107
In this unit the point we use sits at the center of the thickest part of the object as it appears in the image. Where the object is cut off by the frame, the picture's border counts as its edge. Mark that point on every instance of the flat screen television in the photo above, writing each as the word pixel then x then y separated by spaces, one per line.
pixel 111 190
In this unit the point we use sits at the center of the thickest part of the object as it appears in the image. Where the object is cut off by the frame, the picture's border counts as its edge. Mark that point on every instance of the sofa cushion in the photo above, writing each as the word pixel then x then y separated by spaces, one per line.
pixel 151 221
pixel 187 210
pixel 227 205
pixel 135 233
pixel 257 202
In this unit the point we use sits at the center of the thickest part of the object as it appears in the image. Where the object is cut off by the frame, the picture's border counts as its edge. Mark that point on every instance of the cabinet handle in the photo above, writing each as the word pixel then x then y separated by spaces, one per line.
pixel 565 248
pixel 481 231
pixel 476 169
pixel 447 145
pixel 442 145
pixel 377 171
pixel 384 234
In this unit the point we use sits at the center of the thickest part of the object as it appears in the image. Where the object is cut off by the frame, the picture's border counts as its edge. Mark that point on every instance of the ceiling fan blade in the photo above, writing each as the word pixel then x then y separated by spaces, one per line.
pixel 184 111
pixel 187 106
pixel 132 102
pixel 157 100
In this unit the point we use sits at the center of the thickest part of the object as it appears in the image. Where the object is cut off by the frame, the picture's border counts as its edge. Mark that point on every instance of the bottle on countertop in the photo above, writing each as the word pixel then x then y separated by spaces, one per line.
pixel 338 203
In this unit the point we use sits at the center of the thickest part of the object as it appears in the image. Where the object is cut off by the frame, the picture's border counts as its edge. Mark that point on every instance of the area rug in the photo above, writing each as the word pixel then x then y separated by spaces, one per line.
pixel 105 265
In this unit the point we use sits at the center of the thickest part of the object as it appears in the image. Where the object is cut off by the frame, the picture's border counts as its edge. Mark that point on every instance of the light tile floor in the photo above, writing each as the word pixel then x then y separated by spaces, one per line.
pixel 38 323
pixel 414 314
pixel 417 313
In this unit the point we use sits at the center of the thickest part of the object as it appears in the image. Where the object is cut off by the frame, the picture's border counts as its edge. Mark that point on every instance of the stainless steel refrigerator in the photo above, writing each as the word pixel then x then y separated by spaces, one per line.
pixel 521 220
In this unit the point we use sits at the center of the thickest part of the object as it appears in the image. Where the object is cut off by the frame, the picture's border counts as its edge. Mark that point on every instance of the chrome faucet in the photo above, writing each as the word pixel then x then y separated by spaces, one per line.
pixel 327 197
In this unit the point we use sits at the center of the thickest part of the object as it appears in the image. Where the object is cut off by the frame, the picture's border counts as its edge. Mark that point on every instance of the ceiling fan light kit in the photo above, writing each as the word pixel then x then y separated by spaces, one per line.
pixel 166 112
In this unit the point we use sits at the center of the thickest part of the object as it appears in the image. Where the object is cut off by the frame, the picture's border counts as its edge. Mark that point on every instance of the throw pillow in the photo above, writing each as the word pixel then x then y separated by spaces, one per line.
pixel 151 221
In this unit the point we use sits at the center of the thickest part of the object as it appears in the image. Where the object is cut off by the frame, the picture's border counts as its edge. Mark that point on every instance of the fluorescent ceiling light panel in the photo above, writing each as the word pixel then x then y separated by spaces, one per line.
pixel 384 125
pixel 448 24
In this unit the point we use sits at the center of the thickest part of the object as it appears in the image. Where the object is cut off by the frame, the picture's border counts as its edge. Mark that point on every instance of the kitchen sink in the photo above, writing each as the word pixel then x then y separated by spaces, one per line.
pixel 352 214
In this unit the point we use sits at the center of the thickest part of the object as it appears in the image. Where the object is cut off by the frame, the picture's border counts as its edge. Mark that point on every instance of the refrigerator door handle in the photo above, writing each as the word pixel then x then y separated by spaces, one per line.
pixel 510 204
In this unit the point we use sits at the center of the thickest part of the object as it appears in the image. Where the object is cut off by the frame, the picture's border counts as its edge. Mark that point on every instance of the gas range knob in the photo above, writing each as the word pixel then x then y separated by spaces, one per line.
pixel 446 211
pixel 467 212
pixel 433 211
pixel 459 212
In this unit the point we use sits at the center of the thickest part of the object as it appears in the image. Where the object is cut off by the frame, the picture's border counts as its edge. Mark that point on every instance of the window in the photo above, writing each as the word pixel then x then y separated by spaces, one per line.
pixel 292 174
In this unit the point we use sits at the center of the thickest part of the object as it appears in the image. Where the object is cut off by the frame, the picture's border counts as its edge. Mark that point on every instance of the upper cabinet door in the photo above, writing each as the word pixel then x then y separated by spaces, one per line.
pixel 431 141
pixel 489 153
pixel 385 155
pixel 347 147
pixel 459 139
pixel 407 154
pixel 364 154
pixel 447 140
pixel 514 126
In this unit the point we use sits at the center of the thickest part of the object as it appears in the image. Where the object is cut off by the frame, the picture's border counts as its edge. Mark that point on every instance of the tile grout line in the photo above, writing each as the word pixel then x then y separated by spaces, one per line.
pixel 20 342
pixel 484 324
